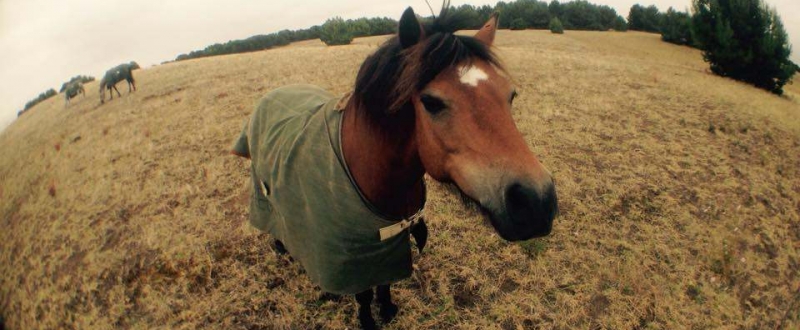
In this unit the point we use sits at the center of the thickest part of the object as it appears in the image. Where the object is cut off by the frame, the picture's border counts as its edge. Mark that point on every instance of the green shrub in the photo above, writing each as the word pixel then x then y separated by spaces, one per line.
pixel 556 26
pixel 518 24
pixel 336 31
pixel 744 40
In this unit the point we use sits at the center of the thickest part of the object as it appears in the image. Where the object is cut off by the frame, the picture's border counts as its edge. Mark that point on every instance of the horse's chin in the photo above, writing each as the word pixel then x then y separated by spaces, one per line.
pixel 475 209
pixel 472 206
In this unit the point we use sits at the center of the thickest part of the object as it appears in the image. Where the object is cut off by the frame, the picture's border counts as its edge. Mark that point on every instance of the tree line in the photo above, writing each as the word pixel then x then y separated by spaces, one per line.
pixel 43 96
pixel 361 27
pixel 519 14
pixel 573 15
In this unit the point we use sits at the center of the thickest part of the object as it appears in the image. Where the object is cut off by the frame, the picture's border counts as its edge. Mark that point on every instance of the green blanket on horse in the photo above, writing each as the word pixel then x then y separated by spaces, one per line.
pixel 305 197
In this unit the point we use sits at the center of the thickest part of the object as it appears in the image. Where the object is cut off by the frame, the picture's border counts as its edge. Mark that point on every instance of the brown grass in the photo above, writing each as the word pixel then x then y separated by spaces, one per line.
pixel 679 190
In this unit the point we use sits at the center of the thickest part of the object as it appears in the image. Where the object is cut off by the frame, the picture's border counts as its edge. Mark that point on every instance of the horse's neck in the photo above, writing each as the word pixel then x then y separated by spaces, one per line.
pixel 384 162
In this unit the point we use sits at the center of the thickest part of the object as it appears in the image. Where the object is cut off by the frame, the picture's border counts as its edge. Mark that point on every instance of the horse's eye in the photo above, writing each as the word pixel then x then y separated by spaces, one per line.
pixel 512 97
pixel 433 105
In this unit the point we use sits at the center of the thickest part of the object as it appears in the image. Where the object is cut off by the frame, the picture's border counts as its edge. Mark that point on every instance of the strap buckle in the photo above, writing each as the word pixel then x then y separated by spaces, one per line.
pixel 395 229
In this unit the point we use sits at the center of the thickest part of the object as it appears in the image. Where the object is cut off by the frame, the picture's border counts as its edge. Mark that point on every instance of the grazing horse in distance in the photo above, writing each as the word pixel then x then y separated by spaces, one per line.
pixel 338 182
pixel 72 91
pixel 113 76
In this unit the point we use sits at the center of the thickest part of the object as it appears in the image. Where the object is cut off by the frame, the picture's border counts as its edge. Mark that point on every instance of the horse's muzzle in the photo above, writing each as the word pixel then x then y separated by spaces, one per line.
pixel 528 212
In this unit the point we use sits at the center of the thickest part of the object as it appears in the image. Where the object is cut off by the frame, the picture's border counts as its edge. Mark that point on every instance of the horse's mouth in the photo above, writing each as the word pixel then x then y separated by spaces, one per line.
pixel 513 220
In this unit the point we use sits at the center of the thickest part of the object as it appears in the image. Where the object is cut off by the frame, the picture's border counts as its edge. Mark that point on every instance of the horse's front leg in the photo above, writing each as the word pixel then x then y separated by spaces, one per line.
pixel 388 309
pixel 118 94
pixel 364 300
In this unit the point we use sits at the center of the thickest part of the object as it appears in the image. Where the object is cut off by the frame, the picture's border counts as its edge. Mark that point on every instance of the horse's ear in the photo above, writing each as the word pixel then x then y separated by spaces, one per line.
pixel 409 30
pixel 486 34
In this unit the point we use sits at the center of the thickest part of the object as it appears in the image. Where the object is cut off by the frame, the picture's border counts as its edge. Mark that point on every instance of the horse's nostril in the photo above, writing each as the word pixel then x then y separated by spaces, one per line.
pixel 521 203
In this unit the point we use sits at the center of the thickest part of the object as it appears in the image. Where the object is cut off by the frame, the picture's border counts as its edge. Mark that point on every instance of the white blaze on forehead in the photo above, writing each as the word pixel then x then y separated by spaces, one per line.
pixel 472 75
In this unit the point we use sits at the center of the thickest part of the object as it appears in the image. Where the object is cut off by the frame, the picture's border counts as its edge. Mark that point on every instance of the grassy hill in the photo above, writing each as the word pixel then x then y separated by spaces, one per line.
pixel 679 191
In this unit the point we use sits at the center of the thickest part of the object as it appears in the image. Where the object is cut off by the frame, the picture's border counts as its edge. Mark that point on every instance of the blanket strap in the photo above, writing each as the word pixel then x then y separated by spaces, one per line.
pixel 395 229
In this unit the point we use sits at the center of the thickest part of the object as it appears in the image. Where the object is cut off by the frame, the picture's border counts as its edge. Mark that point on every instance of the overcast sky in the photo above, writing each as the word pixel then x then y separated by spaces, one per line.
pixel 45 42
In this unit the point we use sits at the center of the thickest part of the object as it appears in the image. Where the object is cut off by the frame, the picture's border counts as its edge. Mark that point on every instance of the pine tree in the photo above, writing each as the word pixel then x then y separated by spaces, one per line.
pixel 556 26
pixel 675 27
pixel 620 24
pixel 744 40
pixel 644 19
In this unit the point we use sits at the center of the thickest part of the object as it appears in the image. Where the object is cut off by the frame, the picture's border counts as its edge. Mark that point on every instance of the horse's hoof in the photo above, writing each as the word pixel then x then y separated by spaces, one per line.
pixel 388 312
pixel 367 322
pixel 327 296
pixel 279 248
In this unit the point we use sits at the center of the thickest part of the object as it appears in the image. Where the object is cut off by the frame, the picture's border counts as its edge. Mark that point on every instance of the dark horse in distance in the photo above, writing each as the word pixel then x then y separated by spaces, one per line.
pixel 113 76
pixel 338 182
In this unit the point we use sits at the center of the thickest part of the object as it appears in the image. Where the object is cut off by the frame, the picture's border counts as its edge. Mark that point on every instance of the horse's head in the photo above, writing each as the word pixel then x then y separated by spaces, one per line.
pixel 465 133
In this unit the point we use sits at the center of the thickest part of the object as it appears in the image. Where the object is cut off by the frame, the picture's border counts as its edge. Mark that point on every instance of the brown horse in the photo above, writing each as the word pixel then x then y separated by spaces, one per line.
pixel 427 101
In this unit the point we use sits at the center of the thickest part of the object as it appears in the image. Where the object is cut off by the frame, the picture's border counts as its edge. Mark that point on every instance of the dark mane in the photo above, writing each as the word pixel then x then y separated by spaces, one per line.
pixel 388 78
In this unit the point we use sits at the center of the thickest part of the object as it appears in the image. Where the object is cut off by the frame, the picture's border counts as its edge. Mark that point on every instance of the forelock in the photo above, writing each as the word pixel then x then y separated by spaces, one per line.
pixel 389 77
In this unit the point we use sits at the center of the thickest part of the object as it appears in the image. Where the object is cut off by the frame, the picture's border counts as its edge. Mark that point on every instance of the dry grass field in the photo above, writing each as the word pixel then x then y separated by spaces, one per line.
pixel 679 195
